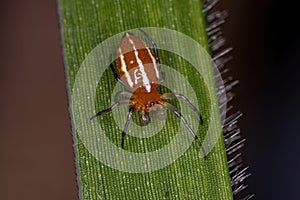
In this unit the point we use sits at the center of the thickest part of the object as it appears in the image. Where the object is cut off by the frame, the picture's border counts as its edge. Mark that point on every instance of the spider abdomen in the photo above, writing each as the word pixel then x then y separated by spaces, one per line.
pixel 136 64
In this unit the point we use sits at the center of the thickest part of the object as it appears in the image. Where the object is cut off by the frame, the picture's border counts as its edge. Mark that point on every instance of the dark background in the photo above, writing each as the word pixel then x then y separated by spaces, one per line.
pixel 36 156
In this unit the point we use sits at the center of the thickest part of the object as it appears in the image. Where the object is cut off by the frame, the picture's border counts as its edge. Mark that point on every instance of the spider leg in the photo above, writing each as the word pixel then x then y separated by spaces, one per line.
pixel 186 100
pixel 156 55
pixel 162 78
pixel 122 93
pixel 179 115
pixel 111 108
pixel 154 46
pixel 116 75
pixel 129 115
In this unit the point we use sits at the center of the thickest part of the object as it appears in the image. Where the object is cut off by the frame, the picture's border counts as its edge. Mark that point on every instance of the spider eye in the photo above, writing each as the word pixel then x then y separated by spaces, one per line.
pixel 151 103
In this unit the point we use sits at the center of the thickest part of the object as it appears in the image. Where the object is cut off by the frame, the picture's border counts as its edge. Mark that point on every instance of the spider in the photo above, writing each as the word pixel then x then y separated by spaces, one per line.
pixel 138 70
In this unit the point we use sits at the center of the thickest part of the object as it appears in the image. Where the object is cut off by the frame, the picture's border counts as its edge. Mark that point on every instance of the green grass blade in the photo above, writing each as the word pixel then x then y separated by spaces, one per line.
pixel 84 25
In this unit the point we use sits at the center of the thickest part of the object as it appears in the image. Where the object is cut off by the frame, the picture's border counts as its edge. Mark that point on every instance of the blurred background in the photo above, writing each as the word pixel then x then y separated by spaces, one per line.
pixel 36 155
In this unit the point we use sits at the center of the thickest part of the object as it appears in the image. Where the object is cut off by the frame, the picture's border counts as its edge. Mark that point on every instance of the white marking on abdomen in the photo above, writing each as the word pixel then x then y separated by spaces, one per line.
pixel 146 82
pixel 124 69
pixel 137 75
pixel 154 63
